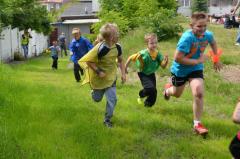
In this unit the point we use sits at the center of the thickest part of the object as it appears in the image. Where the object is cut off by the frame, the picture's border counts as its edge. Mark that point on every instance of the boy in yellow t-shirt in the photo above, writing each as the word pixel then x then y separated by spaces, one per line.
pixel 101 69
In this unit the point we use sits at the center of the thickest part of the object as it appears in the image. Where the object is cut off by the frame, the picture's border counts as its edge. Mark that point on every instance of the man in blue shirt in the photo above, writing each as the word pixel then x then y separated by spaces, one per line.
pixel 78 48
pixel 62 42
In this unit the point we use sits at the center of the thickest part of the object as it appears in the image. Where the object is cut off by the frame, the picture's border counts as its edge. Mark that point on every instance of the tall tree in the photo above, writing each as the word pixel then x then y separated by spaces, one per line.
pixel 25 14
pixel 200 6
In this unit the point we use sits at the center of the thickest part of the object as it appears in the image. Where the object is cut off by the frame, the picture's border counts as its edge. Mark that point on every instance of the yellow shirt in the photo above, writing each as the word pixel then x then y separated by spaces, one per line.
pixel 137 56
pixel 107 63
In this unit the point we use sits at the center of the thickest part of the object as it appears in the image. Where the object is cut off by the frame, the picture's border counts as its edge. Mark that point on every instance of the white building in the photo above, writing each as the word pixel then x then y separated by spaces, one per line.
pixel 217 7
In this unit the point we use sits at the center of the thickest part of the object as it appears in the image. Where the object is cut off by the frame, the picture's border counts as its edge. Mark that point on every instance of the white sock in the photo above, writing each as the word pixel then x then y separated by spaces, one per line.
pixel 196 122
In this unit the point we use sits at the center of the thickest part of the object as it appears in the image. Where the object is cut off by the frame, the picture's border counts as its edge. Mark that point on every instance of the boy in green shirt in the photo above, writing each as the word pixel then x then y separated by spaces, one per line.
pixel 148 61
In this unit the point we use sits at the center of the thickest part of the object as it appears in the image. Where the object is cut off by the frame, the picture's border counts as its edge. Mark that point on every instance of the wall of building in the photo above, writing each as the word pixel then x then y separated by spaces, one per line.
pixel 67 29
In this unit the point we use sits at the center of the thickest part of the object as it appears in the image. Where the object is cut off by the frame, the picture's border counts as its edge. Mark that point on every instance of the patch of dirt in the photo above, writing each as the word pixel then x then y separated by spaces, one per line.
pixel 231 73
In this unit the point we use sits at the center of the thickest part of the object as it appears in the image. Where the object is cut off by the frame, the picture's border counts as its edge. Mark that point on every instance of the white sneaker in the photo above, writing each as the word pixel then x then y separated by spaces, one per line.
pixel 237 44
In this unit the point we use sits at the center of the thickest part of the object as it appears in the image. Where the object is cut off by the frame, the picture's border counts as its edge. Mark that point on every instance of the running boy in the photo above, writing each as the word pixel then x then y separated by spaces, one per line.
pixel 101 70
pixel 78 48
pixel 55 49
pixel 188 66
pixel 148 61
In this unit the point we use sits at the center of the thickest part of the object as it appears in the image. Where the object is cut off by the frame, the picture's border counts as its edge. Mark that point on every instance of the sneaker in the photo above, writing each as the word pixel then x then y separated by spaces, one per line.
pixel 108 123
pixel 168 85
pixel 237 44
pixel 140 100
pixel 200 129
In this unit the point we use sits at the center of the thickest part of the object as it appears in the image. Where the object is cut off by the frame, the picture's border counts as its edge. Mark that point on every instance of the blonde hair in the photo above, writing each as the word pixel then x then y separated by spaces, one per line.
pixel 198 16
pixel 109 30
pixel 149 36
pixel 76 30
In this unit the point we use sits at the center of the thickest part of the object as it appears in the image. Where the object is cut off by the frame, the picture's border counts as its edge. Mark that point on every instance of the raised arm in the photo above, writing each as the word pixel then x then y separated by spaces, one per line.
pixel 122 68
pixel 216 61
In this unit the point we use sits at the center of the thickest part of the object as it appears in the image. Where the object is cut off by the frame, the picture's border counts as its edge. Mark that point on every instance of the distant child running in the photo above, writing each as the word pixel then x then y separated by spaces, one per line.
pixel 188 66
pixel 101 69
pixel 55 50
pixel 148 61
pixel 78 48
pixel 235 143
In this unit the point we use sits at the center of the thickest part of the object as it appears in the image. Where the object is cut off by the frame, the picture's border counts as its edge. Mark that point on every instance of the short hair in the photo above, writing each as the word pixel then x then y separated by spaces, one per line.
pixel 198 16
pixel 108 30
pixel 76 30
pixel 149 36
pixel 55 41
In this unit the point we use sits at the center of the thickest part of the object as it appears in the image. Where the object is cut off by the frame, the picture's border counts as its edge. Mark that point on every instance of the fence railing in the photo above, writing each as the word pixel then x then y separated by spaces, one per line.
pixel 10 44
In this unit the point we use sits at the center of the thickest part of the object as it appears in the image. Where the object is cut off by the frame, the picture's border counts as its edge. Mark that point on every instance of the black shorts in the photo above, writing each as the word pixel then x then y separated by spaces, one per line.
pixel 179 81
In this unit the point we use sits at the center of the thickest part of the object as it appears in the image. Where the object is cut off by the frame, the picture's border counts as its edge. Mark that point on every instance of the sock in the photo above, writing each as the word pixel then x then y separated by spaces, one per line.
pixel 196 122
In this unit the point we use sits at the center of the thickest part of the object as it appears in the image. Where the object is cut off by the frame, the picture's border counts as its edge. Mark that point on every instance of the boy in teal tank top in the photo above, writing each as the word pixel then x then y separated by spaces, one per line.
pixel 148 61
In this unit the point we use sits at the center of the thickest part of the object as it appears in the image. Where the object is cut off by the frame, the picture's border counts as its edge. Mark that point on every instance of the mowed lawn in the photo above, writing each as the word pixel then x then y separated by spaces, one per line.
pixel 45 114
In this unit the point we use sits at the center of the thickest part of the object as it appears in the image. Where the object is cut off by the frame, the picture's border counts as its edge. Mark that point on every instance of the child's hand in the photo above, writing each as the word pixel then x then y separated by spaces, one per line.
pixel 217 66
pixel 101 74
pixel 126 71
pixel 165 59
pixel 124 78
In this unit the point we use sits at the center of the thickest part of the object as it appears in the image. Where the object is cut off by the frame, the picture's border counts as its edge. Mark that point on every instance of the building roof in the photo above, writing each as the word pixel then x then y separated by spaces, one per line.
pixel 80 8
pixel 81 21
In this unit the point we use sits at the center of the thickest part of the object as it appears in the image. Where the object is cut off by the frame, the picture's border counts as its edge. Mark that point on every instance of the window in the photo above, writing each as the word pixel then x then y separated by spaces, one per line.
pixel 184 3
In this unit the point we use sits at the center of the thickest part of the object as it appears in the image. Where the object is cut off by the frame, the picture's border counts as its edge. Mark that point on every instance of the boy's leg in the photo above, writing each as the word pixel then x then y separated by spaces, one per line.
pixel 97 94
pixel 52 63
pixel 197 88
pixel 152 96
pixel 111 97
pixel 76 68
pixel 236 113
pixel 24 51
pixel 177 87
pixel 56 62
pixel 65 49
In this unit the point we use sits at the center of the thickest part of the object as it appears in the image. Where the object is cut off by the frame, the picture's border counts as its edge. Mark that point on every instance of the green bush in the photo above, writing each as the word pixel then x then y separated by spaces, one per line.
pixel 200 6
pixel 164 23
pixel 112 17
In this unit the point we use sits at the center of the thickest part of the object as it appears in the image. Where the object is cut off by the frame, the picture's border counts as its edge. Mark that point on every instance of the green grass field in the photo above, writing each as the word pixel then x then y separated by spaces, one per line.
pixel 45 114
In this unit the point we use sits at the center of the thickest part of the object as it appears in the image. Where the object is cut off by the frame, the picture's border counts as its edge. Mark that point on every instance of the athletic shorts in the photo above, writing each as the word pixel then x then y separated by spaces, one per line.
pixel 179 81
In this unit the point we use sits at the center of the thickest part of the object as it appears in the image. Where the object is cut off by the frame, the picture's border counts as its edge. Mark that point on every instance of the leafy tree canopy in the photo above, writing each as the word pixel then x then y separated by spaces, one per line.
pixel 24 14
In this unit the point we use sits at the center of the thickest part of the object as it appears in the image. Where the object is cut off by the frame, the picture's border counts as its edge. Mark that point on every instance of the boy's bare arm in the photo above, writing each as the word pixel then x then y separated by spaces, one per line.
pixel 96 69
pixel 164 62
pixel 122 68
pixel 182 59
pixel 217 65
pixel 127 64
pixel 236 114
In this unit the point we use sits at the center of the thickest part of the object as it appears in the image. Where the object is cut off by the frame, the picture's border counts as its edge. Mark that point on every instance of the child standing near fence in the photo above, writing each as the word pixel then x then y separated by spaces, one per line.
pixel 188 66
pixel 148 61
pixel 55 50
pixel 101 69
